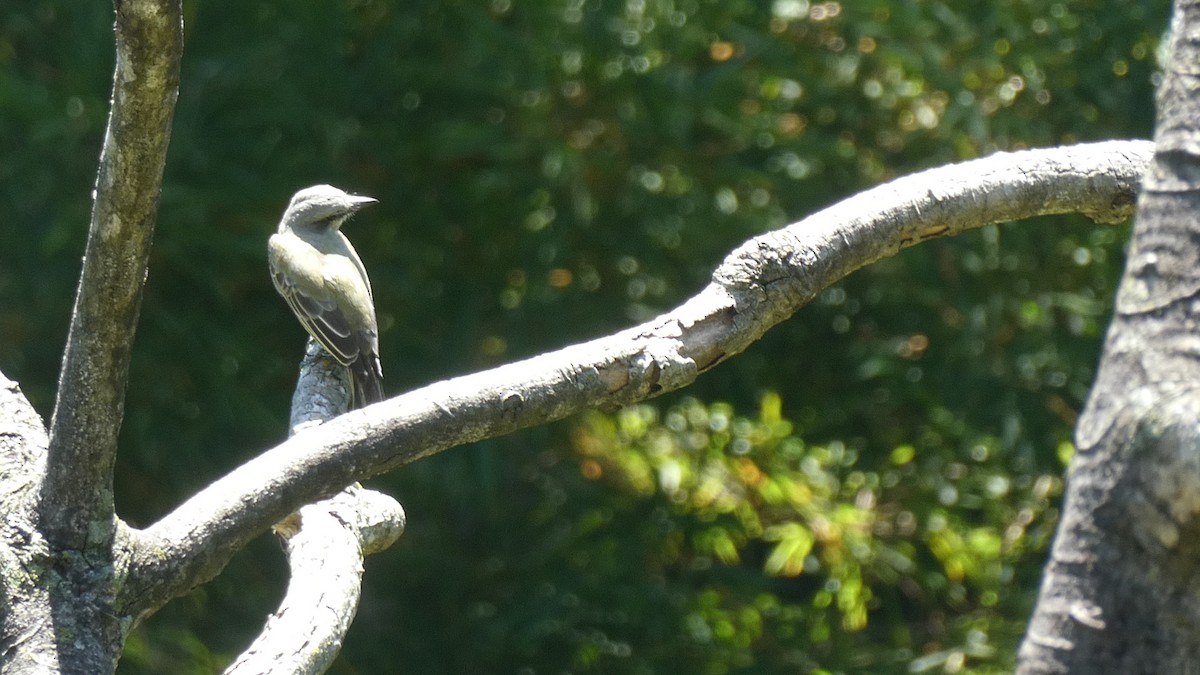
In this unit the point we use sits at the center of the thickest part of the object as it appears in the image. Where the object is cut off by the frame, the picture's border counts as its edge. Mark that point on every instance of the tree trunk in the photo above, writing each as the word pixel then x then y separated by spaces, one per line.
pixel 1121 592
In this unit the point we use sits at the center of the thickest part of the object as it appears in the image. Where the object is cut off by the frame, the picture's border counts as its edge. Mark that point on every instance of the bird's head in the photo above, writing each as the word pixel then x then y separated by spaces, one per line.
pixel 322 206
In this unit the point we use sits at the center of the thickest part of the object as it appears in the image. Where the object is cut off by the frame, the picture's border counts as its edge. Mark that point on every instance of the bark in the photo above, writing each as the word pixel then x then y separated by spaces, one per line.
pixel 26 618
pixel 1121 592
pixel 76 507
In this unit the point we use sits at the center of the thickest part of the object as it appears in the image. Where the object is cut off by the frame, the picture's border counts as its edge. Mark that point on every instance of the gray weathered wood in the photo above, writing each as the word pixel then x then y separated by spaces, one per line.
pixel 1121 593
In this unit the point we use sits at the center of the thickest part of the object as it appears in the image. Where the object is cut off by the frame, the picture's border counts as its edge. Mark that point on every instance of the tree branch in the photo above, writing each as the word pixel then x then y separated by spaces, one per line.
pixel 325 543
pixel 761 283
pixel 326 557
pixel 76 496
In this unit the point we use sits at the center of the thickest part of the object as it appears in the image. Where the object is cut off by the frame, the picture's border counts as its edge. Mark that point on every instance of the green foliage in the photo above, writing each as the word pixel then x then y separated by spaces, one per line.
pixel 551 171
pixel 846 551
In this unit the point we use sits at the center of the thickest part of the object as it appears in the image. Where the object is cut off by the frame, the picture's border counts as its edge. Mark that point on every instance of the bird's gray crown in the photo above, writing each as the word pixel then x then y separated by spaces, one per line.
pixel 322 204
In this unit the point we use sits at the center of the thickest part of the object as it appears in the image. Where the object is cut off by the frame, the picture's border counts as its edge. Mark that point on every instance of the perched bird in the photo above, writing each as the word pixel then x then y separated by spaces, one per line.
pixel 321 277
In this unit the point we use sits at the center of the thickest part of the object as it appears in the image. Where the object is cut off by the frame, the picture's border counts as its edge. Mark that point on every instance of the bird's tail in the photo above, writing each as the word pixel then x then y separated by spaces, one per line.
pixel 367 374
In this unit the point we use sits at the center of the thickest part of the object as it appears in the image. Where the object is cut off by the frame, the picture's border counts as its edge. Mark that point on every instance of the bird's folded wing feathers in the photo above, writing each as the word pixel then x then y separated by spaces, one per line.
pixel 323 319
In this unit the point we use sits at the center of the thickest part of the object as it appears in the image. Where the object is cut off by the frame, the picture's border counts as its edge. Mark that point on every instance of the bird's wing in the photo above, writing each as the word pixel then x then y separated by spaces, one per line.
pixel 316 309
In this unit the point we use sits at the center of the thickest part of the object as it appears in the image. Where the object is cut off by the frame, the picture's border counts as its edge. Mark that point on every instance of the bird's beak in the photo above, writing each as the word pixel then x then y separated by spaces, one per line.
pixel 357 202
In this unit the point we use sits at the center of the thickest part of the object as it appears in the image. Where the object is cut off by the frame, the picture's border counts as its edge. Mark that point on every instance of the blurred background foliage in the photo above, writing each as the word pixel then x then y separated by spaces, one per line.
pixel 871 488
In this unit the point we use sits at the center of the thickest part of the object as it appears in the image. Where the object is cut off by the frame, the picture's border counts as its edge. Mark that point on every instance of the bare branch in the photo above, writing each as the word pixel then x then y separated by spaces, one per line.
pixel 325 556
pixel 76 496
pixel 761 283
pixel 325 542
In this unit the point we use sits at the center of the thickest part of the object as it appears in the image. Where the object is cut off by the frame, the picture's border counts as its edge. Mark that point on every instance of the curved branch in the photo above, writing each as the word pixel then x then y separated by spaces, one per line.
pixel 761 283
pixel 326 560
pixel 326 543
pixel 76 496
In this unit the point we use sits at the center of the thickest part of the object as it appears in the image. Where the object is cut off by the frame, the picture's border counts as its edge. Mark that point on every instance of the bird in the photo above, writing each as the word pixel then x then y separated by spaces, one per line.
pixel 318 272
